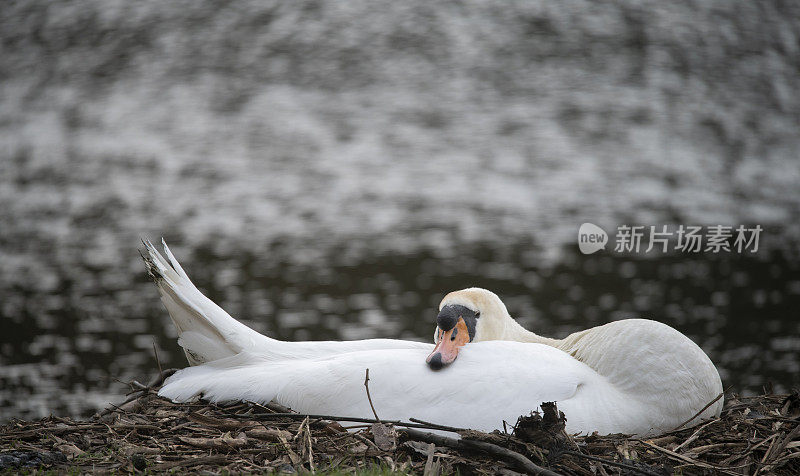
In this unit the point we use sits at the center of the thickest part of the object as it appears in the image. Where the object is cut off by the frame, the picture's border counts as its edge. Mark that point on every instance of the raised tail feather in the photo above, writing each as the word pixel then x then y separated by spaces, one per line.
pixel 205 331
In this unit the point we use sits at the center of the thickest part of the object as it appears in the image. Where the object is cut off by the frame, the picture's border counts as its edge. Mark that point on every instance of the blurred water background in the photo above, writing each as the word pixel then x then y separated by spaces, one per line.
pixel 329 170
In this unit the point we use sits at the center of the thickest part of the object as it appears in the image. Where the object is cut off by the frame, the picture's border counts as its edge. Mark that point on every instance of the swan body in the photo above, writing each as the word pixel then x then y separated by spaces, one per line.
pixel 494 381
pixel 591 374
pixel 644 359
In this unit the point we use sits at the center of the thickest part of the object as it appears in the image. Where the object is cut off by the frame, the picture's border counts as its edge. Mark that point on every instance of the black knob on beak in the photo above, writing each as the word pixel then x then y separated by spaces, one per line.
pixel 447 318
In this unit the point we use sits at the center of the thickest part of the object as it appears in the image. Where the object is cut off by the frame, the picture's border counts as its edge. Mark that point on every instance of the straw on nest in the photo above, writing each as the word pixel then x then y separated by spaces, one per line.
pixel 754 435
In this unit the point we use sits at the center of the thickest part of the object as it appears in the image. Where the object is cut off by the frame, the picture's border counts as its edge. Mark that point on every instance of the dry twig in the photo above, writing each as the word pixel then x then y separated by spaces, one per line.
pixel 366 384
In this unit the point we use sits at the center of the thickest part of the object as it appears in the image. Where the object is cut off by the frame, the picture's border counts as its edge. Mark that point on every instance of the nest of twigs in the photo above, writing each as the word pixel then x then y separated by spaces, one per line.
pixel 754 435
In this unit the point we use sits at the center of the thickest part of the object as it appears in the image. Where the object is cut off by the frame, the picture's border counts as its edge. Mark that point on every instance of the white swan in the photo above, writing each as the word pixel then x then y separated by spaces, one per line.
pixel 644 359
pixel 493 381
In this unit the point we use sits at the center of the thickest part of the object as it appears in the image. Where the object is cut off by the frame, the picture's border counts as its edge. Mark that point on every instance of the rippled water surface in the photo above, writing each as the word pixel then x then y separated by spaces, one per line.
pixel 325 178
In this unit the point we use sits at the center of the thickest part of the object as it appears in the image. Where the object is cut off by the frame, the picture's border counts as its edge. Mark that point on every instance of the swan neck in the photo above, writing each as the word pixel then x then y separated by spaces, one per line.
pixel 518 333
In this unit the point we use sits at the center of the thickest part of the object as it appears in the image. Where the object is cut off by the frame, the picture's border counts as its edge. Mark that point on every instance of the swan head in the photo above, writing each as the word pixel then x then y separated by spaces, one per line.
pixel 468 315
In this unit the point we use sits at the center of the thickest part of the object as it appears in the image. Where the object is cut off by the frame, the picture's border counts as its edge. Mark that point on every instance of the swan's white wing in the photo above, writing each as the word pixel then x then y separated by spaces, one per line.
pixel 208 333
pixel 205 331
pixel 490 382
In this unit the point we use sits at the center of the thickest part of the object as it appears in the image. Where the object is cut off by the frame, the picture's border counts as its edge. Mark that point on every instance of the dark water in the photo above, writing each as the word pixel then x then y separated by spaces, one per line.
pixel 331 170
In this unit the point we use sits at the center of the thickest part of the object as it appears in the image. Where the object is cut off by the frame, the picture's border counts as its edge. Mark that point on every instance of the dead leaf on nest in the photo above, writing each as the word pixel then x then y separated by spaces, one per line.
pixel 418 446
pixel 385 437
pixel 70 450
pixel 358 448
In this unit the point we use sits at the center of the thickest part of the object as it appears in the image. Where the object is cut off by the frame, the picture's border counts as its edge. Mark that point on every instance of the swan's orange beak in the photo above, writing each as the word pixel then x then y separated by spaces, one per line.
pixel 446 349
